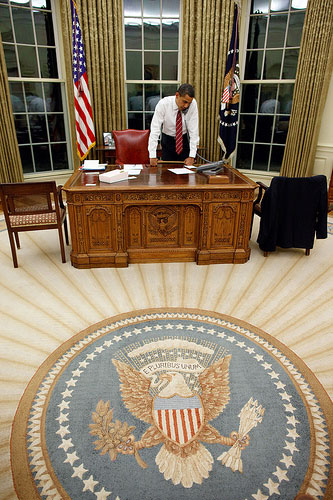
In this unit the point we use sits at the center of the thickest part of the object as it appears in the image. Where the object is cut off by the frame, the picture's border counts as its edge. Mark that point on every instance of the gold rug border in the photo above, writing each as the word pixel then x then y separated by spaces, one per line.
pixel 20 467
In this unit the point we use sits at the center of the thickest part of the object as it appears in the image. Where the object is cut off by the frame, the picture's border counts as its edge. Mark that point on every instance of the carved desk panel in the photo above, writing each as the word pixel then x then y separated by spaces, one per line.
pixel 159 217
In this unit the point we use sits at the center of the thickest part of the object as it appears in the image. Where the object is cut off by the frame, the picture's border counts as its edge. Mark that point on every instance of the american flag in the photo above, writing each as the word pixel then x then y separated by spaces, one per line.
pixel 230 95
pixel 85 132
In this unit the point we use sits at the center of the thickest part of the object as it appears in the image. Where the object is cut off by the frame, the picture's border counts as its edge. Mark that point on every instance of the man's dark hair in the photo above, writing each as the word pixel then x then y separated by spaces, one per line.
pixel 186 89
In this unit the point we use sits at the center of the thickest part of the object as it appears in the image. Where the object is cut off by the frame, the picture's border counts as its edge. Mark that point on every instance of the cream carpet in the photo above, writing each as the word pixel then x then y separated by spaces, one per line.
pixel 45 302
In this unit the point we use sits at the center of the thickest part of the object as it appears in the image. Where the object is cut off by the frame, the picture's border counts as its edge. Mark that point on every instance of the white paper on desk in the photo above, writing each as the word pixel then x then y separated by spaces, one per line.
pixel 133 171
pixel 181 171
pixel 93 165
pixel 133 166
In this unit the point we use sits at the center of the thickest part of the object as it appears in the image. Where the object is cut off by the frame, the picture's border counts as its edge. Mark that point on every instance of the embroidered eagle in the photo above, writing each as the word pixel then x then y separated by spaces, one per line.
pixel 178 418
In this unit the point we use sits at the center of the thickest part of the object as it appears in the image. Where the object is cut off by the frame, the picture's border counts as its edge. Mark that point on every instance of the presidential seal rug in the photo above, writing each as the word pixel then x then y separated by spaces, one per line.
pixel 173 404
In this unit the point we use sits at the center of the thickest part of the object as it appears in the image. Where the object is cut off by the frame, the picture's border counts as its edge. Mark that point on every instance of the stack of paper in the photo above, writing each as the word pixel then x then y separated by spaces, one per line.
pixel 134 169
pixel 93 165
pixel 113 176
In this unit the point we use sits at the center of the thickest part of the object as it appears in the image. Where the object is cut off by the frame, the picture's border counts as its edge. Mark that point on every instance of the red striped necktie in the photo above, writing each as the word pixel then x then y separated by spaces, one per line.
pixel 179 133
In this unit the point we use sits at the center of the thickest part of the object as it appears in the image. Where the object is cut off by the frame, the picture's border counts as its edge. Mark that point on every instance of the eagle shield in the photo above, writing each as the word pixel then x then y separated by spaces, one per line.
pixel 178 418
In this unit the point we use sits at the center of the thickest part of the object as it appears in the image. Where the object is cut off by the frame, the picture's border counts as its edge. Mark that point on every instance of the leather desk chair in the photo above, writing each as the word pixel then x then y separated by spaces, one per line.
pixel 131 146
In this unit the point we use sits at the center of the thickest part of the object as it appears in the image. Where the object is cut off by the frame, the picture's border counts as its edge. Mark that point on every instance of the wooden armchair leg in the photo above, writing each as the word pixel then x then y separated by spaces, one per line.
pixel 307 251
pixel 62 246
pixel 265 254
pixel 12 247
pixel 17 240
pixel 66 232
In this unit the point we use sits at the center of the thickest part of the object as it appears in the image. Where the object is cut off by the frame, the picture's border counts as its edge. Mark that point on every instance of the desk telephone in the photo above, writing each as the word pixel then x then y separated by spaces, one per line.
pixel 211 168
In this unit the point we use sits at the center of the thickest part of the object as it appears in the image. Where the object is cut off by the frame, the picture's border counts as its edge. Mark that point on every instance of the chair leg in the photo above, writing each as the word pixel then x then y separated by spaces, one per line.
pixel 265 254
pixel 13 249
pixel 62 246
pixel 307 251
pixel 17 240
pixel 66 231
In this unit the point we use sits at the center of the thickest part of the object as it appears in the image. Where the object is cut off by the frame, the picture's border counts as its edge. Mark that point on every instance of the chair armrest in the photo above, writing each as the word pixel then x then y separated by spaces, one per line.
pixel 61 202
pixel 262 187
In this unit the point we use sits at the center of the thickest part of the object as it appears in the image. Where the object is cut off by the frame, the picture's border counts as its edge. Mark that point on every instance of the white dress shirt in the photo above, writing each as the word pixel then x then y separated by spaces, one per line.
pixel 165 116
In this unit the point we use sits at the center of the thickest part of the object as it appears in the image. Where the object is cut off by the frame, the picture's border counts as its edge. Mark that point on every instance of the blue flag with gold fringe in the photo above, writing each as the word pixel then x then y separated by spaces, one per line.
pixel 230 95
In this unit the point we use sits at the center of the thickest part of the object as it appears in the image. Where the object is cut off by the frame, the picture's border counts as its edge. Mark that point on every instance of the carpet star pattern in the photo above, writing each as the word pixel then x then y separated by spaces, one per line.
pixel 37 460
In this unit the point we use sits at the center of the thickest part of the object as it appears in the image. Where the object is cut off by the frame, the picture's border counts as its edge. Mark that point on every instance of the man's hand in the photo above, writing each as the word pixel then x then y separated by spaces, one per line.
pixel 153 161
pixel 189 161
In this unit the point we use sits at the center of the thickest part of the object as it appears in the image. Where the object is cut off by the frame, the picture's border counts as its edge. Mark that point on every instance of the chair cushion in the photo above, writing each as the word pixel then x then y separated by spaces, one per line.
pixel 33 219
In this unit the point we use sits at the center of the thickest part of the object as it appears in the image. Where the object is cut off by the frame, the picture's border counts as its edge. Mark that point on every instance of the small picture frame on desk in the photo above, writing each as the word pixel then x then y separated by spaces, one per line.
pixel 108 139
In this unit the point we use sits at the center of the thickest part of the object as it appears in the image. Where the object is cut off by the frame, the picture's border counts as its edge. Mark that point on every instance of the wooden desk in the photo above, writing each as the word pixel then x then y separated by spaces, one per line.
pixel 159 217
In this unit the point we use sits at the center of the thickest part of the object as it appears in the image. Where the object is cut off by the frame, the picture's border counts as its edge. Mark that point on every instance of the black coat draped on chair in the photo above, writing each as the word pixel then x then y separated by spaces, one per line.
pixel 293 212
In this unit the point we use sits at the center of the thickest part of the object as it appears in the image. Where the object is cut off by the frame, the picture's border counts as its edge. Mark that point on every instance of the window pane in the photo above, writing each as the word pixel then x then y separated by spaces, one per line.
pixel 34 96
pixel 169 66
pixel 56 128
pixel 261 157
pixel 170 8
pixel 272 66
pixel 249 102
pixel 135 120
pixel 17 97
pixel 259 6
pixel 281 129
pixel 276 158
pixel 277 30
pixel 132 7
pixel 133 66
pixel 151 8
pixel 152 66
pixel 59 156
pixel 257 32
pixel 170 28
pixel 152 96
pixel 299 4
pixel 23 25
pixel 253 64
pixel 53 96
pixel 48 62
pixel 26 159
pixel 268 100
pixel 135 96
pixel 246 127
pixel 244 155
pixel 148 119
pixel 169 89
pixel 21 2
pixel 151 28
pixel 278 5
pixel 44 28
pixel 21 126
pixel 133 39
pixel 296 22
pixel 286 97
pixel 264 128
pixel 42 157
pixel 38 128
pixel 290 63
pixel 10 58
pixel 5 25
pixel 28 61
pixel 41 4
